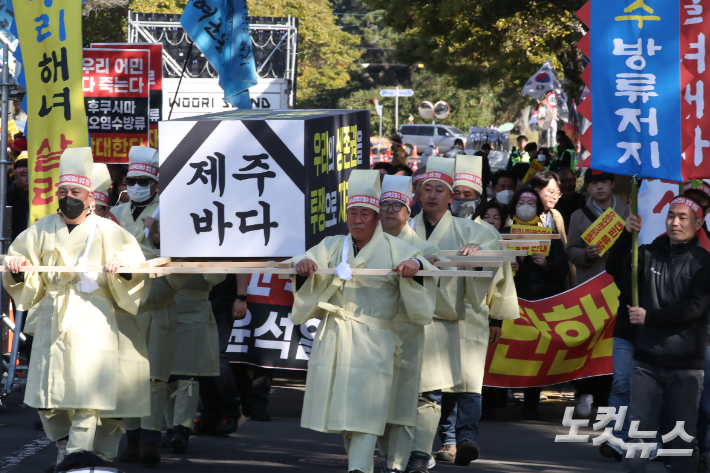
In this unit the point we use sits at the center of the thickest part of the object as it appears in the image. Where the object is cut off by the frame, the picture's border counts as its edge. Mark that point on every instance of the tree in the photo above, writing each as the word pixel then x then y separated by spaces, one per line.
pixel 488 41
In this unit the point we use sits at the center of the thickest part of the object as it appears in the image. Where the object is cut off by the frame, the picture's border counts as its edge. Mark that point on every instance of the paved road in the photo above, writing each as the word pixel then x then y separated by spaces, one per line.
pixel 507 445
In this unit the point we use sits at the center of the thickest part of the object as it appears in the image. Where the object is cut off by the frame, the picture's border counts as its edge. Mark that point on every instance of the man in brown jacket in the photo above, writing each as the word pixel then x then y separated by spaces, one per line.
pixel 586 259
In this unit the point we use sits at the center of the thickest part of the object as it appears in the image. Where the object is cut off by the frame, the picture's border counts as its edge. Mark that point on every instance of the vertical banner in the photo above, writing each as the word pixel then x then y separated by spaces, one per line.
pixel 694 31
pixel 156 81
pixel 635 79
pixel 116 93
pixel 50 34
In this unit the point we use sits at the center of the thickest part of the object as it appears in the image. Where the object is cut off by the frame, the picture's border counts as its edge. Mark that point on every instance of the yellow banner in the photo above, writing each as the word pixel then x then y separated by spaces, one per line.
pixel 605 230
pixel 535 166
pixel 50 35
pixel 518 229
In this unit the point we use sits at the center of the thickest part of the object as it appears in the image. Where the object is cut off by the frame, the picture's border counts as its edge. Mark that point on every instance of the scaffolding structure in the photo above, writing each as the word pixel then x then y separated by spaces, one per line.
pixel 274 46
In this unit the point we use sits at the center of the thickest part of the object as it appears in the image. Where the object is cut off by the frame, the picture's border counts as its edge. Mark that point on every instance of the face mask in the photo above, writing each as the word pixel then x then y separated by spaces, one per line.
pixel 541 158
pixel 504 196
pixel 138 193
pixel 526 212
pixel 465 208
pixel 71 208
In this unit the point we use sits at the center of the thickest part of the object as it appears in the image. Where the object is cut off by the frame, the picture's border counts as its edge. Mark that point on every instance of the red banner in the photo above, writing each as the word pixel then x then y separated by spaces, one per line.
pixel 156 81
pixel 559 339
pixel 116 96
pixel 693 75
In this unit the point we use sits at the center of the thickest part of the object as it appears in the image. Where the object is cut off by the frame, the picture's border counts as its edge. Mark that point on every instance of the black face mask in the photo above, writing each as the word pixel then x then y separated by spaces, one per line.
pixel 71 208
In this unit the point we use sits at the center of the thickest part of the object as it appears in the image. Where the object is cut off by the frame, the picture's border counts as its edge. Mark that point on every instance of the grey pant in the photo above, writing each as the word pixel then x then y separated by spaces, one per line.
pixel 676 392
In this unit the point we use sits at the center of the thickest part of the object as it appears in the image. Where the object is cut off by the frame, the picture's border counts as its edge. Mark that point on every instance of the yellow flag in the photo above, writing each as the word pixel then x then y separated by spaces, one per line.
pixel 50 35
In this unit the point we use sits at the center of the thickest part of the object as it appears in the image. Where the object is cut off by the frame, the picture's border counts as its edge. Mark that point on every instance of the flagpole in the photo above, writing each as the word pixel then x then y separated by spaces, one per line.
pixel 182 74
pixel 634 246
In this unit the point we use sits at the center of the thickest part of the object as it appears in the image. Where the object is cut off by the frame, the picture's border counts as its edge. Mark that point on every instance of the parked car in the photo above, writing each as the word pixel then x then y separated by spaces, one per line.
pixel 419 135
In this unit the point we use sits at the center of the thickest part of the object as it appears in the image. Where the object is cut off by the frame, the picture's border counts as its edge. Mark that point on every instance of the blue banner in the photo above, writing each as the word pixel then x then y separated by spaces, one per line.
pixel 635 58
pixel 220 28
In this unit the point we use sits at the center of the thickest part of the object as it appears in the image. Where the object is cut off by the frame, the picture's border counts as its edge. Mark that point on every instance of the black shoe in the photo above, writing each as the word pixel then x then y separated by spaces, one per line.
pixel 51 468
pixel 259 414
pixel 165 441
pixel 132 454
pixel 703 466
pixel 204 426
pixel 79 460
pixel 226 427
pixel 418 463
pixel 150 453
pixel 38 423
pixel 181 438
pixel 355 471
pixel 607 450
pixel 466 452
pixel 390 470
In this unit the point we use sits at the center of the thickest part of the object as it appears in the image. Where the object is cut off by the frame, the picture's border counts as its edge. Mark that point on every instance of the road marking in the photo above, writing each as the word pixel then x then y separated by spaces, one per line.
pixel 26 451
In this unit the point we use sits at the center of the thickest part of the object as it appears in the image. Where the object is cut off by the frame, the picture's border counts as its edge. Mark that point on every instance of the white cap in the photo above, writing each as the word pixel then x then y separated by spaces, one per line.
pixel 397 188
pixel 143 162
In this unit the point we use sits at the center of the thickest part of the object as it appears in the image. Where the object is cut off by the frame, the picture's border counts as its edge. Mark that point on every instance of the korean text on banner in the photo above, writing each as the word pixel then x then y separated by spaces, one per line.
pixel 220 28
pixel 116 93
pixel 694 29
pixel 518 229
pixel 605 230
pixel 266 336
pixel 50 34
pixel 156 81
pixel 535 166
pixel 635 70
pixel 556 340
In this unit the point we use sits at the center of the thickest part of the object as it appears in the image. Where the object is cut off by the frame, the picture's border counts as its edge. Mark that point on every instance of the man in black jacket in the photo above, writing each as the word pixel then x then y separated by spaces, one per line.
pixel 669 350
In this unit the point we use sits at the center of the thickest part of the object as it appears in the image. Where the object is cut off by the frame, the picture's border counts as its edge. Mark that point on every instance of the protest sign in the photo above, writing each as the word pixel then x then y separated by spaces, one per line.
pixel 256 184
pixel 535 166
pixel 116 94
pixel 155 72
pixel 50 34
pixel 518 229
pixel 558 339
pixel 266 336
pixel 604 231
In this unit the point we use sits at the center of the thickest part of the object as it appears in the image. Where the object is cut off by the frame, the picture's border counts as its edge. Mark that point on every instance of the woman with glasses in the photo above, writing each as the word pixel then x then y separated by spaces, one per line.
pixel 547 185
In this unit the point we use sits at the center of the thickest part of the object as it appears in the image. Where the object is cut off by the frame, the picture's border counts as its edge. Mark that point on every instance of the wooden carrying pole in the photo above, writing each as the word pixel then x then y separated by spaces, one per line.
pixel 634 246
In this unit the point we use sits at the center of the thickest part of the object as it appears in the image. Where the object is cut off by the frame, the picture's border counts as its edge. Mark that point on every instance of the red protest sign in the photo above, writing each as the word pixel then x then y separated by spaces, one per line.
pixel 116 96
pixel 156 81
pixel 558 339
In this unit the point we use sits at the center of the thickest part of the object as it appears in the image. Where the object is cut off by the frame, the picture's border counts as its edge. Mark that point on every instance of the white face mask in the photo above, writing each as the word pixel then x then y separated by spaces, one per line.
pixel 541 158
pixel 526 212
pixel 138 193
pixel 504 196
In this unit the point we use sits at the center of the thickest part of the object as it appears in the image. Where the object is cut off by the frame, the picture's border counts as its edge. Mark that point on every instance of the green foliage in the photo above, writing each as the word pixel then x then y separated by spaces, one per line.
pixel 325 52
pixel 488 41
pixel 479 106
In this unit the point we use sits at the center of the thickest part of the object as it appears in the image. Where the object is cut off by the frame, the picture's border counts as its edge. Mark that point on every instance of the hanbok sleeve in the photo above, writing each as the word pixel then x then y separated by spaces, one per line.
pixel 118 243
pixel 305 298
pixel 214 279
pixel 477 288
pixel 30 290
pixel 419 298
pixel 502 298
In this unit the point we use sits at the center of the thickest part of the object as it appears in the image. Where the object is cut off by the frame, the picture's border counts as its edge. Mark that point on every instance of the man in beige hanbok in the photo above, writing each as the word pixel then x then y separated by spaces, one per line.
pixel 133 391
pixel 461 404
pixel 396 443
pixel 157 317
pixel 74 366
pixel 442 347
pixel 197 355
pixel 351 364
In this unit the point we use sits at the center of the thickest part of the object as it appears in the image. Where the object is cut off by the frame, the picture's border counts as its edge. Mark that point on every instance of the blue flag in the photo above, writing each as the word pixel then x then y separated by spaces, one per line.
pixel 635 59
pixel 220 28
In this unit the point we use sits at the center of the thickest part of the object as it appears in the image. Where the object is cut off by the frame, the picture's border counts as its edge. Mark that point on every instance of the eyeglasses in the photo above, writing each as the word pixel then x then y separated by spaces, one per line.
pixel 141 181
pixel 396 206
pixel 557 194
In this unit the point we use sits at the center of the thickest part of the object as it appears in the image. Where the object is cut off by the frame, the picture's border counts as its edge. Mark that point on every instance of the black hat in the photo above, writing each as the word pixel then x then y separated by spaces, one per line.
pixel 595 176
